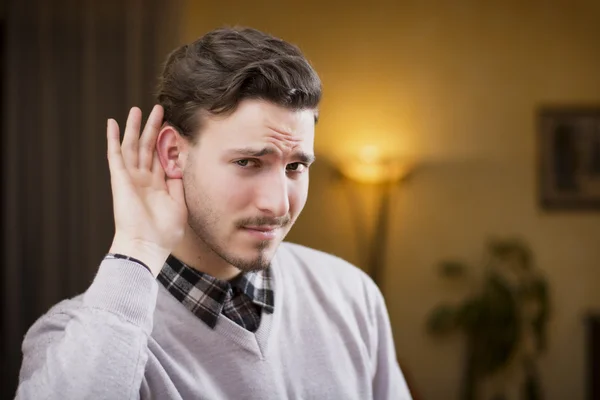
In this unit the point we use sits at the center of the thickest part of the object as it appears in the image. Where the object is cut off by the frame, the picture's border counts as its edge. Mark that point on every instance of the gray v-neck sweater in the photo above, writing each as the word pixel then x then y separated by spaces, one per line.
pixel 127 337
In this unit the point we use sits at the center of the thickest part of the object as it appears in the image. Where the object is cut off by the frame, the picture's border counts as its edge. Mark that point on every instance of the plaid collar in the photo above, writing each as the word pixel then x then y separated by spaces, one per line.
pixel 240 299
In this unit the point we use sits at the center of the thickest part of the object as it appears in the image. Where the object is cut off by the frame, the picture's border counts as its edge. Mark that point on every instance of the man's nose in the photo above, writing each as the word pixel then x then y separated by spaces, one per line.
pixel 272 195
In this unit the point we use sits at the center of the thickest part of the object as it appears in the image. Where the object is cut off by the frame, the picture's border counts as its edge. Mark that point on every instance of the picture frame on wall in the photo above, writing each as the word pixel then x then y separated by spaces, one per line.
pixel 569 158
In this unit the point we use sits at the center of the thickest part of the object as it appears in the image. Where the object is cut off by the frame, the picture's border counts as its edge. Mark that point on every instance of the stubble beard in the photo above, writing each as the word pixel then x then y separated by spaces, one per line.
pixel 203 228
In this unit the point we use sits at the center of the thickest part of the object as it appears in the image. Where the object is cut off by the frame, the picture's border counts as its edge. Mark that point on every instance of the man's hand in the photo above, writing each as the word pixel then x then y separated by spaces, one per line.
pixel 150 210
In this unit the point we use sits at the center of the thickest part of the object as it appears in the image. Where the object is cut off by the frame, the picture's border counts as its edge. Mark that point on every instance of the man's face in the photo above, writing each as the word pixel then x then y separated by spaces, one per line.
pixel 246 180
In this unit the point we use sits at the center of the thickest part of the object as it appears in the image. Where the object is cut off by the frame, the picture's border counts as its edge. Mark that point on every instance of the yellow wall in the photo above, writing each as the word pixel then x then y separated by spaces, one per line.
pixel 456 86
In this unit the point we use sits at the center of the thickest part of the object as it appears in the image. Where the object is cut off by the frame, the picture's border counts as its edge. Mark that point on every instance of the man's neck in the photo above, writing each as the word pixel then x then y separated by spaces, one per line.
pixel 193 252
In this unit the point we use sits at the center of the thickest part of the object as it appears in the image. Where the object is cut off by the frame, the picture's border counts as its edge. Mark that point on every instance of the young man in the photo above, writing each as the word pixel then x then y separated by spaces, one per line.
pixel 198 297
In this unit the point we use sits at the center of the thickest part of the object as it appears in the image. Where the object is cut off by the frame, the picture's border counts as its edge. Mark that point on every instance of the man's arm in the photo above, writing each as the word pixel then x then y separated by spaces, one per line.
pixel 96 348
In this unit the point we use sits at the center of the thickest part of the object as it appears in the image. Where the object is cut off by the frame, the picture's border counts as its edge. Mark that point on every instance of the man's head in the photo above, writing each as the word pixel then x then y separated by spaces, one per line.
pixel 240 108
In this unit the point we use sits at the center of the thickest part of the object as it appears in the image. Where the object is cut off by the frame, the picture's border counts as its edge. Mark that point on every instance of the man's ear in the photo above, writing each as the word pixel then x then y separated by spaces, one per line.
pixel 172 149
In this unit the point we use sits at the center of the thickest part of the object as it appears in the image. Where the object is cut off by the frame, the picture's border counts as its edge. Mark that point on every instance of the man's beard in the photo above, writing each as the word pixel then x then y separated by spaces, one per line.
pixel 204 225
pixel 204 232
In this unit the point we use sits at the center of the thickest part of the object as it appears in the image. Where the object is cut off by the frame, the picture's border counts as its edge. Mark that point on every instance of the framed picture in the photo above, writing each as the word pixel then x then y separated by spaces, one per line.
pixel 569 158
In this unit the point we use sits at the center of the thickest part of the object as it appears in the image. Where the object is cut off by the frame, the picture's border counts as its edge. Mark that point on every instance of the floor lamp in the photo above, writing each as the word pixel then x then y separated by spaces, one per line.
pixel 383 175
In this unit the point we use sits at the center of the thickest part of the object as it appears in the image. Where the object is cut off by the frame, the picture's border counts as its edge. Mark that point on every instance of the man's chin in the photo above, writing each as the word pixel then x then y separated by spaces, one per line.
pixel 251 264
pixel 256 258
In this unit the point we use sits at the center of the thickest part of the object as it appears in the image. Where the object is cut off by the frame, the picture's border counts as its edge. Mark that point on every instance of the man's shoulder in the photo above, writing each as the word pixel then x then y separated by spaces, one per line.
pixel 322 265
pixel 333 282
pixel 308 256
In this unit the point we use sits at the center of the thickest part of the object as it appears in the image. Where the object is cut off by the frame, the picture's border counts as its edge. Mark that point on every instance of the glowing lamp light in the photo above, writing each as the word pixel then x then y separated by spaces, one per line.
pixel 370 166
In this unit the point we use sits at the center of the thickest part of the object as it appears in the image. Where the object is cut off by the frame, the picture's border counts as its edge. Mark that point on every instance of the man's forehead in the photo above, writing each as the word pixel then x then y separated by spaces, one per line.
pixel 257 124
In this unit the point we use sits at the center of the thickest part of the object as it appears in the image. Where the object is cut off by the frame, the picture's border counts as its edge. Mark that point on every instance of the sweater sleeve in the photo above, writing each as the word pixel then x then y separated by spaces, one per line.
pixel 388 381
pixel 94 347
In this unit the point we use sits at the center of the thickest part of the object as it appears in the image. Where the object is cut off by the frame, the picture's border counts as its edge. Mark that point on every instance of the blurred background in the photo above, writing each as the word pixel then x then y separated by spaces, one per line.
pixel 458 163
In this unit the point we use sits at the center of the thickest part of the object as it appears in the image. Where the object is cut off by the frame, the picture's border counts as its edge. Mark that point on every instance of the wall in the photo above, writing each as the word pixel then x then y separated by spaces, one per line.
pixel 457 87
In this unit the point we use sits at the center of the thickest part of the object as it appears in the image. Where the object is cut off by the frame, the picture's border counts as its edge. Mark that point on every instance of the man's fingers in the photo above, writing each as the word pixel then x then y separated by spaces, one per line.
pixel 147 150
pixel 129 148
pixel 115 158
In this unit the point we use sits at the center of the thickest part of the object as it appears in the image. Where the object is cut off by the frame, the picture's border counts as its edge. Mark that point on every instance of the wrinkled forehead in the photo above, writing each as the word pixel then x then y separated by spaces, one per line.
pixel 257 122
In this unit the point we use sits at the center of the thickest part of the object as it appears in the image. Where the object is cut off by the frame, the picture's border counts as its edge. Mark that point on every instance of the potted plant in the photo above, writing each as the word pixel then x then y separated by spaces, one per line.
pixel 503 321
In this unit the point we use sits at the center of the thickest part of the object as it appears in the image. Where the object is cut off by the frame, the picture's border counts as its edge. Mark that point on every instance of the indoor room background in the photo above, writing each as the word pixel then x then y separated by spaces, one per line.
pixel 451 93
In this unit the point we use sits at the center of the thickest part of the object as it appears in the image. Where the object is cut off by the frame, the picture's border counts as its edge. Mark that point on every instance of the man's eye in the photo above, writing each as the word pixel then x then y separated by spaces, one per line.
pixel 246 162
pixel 296 167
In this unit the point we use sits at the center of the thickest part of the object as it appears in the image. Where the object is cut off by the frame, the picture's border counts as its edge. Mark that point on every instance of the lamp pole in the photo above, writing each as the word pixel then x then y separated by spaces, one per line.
pixel 372 244
pixel 378 243
pixel 382 175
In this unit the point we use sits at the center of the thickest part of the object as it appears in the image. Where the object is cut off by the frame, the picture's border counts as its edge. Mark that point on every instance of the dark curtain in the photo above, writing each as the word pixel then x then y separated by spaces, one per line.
pixel 68 66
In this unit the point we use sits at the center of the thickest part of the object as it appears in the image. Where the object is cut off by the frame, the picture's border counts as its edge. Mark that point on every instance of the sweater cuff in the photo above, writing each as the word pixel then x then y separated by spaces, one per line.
pixel 125 288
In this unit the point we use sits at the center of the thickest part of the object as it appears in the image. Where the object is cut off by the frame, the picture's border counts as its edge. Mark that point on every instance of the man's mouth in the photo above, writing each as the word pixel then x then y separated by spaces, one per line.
pixel 263 232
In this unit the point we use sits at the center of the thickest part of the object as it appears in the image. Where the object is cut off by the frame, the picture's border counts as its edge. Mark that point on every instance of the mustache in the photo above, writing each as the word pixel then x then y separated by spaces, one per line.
pixel 264 221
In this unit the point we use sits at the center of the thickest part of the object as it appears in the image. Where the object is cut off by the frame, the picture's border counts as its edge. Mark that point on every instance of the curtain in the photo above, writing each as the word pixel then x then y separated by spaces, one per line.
pixel 68 66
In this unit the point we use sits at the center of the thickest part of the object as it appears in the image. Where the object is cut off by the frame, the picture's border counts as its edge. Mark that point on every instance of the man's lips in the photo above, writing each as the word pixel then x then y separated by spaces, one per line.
pixel 262 228
pixel 263 232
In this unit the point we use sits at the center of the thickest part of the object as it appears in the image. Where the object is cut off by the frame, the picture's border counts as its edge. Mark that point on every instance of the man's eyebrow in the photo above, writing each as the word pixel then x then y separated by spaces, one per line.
pixel 305 157
pixel 253 152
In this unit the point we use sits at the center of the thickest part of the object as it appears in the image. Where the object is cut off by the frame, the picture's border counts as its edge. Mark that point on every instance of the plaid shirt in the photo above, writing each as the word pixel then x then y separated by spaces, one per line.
pixel 241 299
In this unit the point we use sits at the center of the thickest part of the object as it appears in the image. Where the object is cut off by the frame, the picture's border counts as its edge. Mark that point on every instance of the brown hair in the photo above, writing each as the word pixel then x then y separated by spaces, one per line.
pixel 227 65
